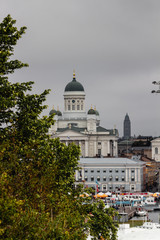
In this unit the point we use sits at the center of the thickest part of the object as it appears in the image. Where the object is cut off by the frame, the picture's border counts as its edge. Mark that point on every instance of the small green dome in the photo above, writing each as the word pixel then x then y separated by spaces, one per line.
pixel 59 113
pixel 91 111
pixel 53 111
pixel 74 86
pixel 97 113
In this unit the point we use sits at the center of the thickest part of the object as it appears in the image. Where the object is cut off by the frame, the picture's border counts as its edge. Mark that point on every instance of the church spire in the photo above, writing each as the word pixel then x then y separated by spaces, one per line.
pixel 74 75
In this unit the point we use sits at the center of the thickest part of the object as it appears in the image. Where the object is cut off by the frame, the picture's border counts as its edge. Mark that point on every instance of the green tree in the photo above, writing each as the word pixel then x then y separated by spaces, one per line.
pixel 37 195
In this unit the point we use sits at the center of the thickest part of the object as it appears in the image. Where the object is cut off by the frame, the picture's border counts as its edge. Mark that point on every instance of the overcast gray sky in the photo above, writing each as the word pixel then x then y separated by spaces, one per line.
pixel 113 45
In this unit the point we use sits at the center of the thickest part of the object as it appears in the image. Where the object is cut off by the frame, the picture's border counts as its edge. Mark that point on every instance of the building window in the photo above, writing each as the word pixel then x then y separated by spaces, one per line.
pixel 110 170
pixel 78 108
pixel 104 187
pixel 110 187
pixel 123 178
pixel 156 150
pixel 86 178
pixel 110 178
pixel 69 107
pixel 98 178
pixel 86 170
pixel 92 170
pixel 98 171
pixel 92 179
pixel 123 170
pixel 116 178
pixel 116 170
pixel 132 187
pixel 132 179
pixel 104 170
pixel 132 170
pixel 104 178
pixel 81 107
pixel 99 143
pixel 99 151
pixel 73 107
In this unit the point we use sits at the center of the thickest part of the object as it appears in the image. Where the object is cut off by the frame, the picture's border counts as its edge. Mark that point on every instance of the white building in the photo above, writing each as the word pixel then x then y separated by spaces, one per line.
pixel 75 125
pixel 156 149
pixel 112 174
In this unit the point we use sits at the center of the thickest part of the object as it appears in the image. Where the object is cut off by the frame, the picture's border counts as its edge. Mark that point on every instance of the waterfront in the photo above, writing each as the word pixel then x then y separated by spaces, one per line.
pixel 153 216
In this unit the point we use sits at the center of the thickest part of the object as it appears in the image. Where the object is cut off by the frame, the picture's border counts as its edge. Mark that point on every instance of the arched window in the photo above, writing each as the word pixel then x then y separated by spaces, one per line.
pixel 156 150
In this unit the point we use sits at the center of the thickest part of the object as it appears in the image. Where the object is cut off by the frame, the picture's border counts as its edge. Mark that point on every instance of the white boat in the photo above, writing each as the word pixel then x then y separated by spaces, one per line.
pixel 141 213
pixel 150 225
pixel 150 201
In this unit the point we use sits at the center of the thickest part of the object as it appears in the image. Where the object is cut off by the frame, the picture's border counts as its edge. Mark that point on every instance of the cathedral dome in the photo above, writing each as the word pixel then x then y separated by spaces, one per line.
pixel 74 86
pixel 59 113
pixel 53 111
pixel 97 113
pixel 91 111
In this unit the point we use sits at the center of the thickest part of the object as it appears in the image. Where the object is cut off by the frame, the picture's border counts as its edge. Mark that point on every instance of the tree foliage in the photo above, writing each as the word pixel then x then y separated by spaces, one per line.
pixel 37 195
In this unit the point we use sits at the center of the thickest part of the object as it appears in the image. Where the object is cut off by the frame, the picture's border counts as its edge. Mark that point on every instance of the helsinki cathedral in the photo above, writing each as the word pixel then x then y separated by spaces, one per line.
pixel 81 127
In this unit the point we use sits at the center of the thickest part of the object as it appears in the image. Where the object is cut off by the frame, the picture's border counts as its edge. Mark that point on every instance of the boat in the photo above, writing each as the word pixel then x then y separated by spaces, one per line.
pixel 156 208
pixel 141 213
pixel 150 225
pixel 150 201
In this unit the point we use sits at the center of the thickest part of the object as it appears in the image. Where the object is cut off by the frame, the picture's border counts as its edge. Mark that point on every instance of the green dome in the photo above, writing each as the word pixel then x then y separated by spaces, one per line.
pixel 91 111
pixel 59 113
pixel 97 113
pixel 53 111
pixel 74 86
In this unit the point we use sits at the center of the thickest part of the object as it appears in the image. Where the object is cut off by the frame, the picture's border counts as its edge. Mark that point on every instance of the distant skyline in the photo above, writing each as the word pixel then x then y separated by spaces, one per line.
pixel 114 47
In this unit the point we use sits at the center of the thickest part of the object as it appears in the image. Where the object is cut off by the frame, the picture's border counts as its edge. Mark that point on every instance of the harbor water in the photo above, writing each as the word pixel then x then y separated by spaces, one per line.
pixel 153 216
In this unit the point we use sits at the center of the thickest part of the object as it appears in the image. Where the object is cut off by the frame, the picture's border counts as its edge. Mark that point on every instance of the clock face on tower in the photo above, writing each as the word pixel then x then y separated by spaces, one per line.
pixel 73 101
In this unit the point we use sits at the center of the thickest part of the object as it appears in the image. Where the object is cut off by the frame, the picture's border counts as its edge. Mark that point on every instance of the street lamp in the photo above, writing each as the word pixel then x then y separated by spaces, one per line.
pixel 156 83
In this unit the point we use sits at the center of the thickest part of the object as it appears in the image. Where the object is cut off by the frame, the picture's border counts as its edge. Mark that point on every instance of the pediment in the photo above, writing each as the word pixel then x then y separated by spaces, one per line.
pixel 70 133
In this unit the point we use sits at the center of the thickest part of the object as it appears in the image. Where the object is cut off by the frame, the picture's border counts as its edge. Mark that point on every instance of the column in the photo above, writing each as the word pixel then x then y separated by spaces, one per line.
pixel 126 174
pixel 108 147
pixel 94 148
pixel 79 143
pixel 86 148
pixel 135 174
pixel 129 174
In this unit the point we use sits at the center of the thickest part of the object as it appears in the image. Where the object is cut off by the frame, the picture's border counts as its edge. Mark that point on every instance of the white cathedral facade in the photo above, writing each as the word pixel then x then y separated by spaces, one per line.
pixel 81 127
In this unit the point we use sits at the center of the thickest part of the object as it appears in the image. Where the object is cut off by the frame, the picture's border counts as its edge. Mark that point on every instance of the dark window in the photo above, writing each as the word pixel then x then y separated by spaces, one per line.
pixel 86 170
pixel 73 107
pixel 92 170
pixel 86 178
pixel 116 170
pixel 104 170
pixel 78 108
pixel 104 178
pixel 99 151
pixel 98 170
pixel 110 170
pixel 69 107
pixel 92 178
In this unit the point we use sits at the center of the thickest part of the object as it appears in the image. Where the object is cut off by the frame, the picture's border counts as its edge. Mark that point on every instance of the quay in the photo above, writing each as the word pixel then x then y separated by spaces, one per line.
pixel 126 213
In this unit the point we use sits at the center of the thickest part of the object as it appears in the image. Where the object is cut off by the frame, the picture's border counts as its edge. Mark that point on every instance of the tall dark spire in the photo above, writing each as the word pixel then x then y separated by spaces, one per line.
pixel 127 127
